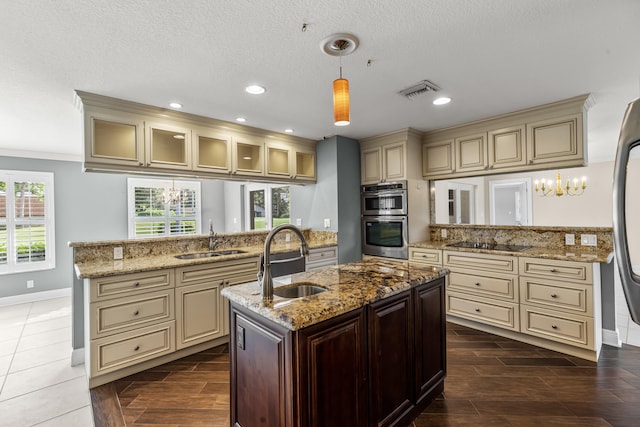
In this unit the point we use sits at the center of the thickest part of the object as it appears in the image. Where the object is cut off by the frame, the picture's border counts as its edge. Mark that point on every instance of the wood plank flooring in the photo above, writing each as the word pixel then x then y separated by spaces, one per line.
pixel 492 381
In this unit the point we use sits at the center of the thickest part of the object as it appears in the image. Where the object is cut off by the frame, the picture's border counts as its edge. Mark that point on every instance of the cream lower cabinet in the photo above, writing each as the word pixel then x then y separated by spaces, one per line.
pixel 426 256
pixel 201 311
pixel 322 257
pixel 131 320
pixel 483 288
pixel 557 302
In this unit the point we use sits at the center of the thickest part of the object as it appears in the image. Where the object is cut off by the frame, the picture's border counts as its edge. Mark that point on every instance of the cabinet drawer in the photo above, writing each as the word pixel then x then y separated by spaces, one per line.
pixel 483 262
pixel 569 297
pixel 565 328
pixel 129 284
pixel 550 268
pixel 496 313
pixel 426 256
pixel 129 348
pixel 221 273
pixel 321 264
pixel 317 255
pixel 123 314
pixel 505 286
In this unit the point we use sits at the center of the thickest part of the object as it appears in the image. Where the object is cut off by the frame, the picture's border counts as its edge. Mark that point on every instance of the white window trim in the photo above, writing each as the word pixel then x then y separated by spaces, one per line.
pixel 159 183
pixel 267 204
pixel 12 266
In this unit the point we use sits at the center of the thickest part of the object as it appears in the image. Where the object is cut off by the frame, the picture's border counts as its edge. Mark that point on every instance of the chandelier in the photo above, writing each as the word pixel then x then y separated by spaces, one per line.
pixel 548 189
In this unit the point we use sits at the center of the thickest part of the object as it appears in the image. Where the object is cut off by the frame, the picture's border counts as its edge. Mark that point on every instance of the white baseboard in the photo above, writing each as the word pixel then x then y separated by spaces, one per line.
pixel 35 296
pixel 77 356
pixel 611 338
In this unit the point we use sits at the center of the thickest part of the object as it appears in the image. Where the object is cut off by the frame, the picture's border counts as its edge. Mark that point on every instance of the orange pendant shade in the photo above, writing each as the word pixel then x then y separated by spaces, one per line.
pixel 341 102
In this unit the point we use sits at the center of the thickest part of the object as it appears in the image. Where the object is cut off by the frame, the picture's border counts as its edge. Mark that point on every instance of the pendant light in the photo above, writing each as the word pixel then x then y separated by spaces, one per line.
pixel 339 45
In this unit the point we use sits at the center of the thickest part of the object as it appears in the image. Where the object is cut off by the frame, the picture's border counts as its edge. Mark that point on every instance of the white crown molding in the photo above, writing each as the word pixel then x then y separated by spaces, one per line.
pixel 41 155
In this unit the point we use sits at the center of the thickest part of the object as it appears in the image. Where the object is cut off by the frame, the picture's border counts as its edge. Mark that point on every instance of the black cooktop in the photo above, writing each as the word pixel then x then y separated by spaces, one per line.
pixel 490 246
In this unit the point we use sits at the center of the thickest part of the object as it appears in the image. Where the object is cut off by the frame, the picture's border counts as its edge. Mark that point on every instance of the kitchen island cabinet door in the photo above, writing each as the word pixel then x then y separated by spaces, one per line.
pixel 261 379
pixel 430 332
pixel 391 345
pixel 332 376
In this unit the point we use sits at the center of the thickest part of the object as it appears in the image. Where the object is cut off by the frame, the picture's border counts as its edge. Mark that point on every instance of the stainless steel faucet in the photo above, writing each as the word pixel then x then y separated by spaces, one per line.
pixel 213 241
pixel 264 275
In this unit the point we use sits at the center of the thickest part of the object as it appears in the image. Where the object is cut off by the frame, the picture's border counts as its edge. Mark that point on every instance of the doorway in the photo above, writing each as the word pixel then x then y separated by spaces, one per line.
pixel 510 202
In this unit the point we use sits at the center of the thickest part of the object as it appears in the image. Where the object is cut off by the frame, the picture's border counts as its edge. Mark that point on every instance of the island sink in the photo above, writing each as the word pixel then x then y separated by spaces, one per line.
pixel 298 290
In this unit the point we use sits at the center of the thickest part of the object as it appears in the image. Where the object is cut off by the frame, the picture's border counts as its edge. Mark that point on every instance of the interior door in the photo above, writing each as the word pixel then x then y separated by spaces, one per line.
pixel 510 202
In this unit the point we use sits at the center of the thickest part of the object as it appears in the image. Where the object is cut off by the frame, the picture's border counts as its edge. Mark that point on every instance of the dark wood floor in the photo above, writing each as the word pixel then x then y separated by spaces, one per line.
pixel 492 381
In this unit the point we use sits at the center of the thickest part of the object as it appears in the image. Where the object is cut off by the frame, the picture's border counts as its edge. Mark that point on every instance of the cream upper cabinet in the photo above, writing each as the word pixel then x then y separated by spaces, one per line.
pixel 248 156
pixel 471 153
pixel 211 151
pixel 391 157
pixel 114 139
pixel 168 146
pixel 305 164
pixel 555 140
pixel 371 165
pixel 279 160
pixel 437 158
pixel 506 148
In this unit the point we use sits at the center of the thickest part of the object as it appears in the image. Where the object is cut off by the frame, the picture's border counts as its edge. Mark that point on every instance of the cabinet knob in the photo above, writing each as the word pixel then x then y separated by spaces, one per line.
pixel 554 296
pixel 136 348
pixel 226 283
pixel 477 310
pixel 140 164
pixel 553 270
pixel 222 283
pixel 477 283
pixel 554 326
pixel 137 312
pixel 136 284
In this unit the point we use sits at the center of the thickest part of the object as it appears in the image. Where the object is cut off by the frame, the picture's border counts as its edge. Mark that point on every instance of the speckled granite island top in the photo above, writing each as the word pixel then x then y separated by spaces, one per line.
pixel 349 286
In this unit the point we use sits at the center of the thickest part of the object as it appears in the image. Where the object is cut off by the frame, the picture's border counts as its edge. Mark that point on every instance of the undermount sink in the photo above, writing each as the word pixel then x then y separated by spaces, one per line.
pixel 298 290
pixel 199 255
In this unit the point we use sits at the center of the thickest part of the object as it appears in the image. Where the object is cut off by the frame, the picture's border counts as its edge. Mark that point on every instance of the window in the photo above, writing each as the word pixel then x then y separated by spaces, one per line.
pixel 266 206
pixel 163 207
pixel 27 240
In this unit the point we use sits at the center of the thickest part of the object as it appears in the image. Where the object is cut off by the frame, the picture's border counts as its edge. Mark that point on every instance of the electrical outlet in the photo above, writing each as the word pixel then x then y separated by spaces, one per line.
pixel 30 284
pixel 117 252
pixel 299 222
pixel 443 233
pixel 588 240
pixel 287 237
pixel 569 239
pixel 240 337
pixel 327 223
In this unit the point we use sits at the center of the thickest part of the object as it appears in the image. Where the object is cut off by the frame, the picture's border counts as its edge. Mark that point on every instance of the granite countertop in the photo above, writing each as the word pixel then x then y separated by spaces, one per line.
pixel 102 268
pixel 350 286
pixel 566 253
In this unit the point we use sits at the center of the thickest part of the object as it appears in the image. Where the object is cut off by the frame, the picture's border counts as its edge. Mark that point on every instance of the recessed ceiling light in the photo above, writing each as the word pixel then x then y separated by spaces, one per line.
pixel 288 130
pixel 175 105
pixel 241 119
pixel 255 89
pixel 441 101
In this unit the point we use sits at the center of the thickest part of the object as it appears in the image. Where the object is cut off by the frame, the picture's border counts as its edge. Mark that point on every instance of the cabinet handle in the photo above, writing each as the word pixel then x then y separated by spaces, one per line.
pixel 137 312
pixel 136 284
pixel 477 310
pixel 554 326
pixel 136 348
pixel 554 296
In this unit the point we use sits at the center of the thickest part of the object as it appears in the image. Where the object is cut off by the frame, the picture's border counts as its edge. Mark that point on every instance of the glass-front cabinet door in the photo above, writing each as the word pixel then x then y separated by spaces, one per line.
pixel 168 146
pixel 114 140
pixel 248 156
pixel 278 160
pixel 305 165
pixel 211 151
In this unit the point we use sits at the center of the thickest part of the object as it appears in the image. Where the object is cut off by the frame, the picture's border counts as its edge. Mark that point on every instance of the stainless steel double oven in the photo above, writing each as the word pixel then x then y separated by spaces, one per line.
pixel 384 219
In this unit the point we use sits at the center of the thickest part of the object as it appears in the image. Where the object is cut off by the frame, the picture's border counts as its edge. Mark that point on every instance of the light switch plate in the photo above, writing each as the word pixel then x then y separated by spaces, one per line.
pixel 117 252
pixel 588 240
pixel 299 222
pixel 569 239
pixel 327 223
pixel 443 233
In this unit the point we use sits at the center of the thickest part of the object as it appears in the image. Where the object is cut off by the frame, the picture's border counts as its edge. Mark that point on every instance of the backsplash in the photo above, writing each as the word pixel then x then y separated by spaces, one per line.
pixel 137 248
pixel 552 237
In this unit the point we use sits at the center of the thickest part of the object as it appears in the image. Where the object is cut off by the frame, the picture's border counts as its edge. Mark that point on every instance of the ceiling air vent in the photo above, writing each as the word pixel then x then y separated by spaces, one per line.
pixel 419 88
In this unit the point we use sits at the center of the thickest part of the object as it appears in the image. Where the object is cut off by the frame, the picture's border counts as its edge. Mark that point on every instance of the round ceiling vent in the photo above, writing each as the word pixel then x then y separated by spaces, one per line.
pixel 339 44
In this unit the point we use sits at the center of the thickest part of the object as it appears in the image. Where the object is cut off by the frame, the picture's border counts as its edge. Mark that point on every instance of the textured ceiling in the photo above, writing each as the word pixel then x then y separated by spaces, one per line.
pixel 490 56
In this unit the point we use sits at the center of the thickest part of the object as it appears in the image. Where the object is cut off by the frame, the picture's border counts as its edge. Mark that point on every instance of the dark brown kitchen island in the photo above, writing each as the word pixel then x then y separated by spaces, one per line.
pixel 370 350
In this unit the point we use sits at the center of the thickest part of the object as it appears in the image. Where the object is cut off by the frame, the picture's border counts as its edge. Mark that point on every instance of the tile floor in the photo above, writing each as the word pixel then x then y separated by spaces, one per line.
pixel 38 385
